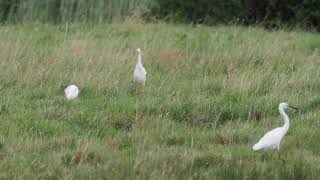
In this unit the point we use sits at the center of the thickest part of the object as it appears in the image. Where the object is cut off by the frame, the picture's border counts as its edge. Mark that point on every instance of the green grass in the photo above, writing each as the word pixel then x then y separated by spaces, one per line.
pixel 65 11
pixel 211 93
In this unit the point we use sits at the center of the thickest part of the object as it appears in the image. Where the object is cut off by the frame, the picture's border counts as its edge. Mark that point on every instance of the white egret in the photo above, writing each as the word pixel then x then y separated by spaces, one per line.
pixel 140 74
pixel 272 139
pixel 71 92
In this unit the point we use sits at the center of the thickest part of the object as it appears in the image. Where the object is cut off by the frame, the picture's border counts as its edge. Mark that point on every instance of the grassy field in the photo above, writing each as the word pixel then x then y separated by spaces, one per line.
pixel 211 93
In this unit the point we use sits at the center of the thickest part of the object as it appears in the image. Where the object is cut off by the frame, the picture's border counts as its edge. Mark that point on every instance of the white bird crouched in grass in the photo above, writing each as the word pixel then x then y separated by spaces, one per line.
pixel 140 74
pixel 71 92
pixel 272 139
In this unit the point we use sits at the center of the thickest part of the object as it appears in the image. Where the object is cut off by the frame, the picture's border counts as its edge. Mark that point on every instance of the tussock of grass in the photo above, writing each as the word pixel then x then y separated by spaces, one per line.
pixel 211 93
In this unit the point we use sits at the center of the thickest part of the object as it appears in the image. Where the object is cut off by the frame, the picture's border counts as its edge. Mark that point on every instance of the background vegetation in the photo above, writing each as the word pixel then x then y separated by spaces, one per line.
pixel 211 94
pixel 270 13
pixel 64 11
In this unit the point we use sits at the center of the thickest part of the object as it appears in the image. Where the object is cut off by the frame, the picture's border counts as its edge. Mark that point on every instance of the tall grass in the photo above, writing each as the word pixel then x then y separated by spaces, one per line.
pixel 62 11
pixel 211 93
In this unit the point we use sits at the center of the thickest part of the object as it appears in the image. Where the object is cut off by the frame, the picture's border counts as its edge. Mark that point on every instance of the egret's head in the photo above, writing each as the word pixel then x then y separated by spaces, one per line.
pixel 138 50
pixel 285 105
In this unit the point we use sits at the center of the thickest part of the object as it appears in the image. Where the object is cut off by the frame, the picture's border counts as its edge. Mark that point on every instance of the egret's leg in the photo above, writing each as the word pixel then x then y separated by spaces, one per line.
pixel 263 157
pixel 280 157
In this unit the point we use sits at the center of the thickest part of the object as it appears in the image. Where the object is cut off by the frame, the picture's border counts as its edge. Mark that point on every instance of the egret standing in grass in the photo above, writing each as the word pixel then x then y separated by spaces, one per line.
pixel 272 139
pixel 140 74
pixel 71 92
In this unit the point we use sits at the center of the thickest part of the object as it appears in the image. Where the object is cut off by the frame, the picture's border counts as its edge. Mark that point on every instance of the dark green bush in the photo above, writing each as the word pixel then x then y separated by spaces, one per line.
pixel 271 13
pixel 199 10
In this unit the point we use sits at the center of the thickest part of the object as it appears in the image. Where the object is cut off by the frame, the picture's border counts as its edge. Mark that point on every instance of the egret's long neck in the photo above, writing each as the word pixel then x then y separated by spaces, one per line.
pixel 285 118
pixel 139 59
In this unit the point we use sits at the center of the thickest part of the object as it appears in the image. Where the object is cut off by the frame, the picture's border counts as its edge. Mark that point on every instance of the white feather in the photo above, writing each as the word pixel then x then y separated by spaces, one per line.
pixel 71 92
pixel 272 139
pixel 140 74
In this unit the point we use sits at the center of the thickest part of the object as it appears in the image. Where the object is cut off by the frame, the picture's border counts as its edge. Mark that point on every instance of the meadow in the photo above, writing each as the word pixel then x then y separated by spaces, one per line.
pixel 211 93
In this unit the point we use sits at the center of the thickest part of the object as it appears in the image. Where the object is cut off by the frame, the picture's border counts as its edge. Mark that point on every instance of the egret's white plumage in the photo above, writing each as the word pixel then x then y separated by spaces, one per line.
pixel 140 74
pixel 71 92
pixel 272 139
